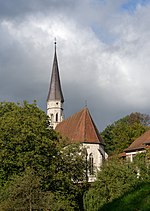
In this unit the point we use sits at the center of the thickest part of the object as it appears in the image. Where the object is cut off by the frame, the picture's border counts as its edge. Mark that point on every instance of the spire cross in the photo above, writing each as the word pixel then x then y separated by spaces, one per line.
pixel 55 43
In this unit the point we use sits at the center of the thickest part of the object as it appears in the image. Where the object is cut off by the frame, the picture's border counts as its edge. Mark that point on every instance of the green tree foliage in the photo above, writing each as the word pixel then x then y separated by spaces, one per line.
pixel 24 192
pixel 26 142
pixel 137 199
pixel 21 192
pixel 115 178
pixel 25 139
pixel 142 165
pixel 123 132
pixel 69 175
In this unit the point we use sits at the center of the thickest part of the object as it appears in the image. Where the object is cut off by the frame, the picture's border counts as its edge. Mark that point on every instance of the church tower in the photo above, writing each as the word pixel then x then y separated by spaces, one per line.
pixel 55 97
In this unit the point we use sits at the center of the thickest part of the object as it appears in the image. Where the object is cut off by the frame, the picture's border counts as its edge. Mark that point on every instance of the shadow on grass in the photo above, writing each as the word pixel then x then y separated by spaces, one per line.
pixel 136 200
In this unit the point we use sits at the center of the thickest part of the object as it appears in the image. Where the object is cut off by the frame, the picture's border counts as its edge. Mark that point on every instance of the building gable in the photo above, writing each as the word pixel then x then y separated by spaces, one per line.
pixel 80 128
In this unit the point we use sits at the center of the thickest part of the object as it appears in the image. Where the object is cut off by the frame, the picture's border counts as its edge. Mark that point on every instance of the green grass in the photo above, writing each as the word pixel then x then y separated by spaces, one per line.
pixel 137 200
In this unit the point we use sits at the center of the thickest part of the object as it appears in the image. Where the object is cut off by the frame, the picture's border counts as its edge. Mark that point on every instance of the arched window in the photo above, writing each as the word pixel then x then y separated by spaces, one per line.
pixel 57 117
pixel 91 166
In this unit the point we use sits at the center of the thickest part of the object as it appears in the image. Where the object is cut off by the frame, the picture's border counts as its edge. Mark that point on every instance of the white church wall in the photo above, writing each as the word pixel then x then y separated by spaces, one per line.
pixel 95 149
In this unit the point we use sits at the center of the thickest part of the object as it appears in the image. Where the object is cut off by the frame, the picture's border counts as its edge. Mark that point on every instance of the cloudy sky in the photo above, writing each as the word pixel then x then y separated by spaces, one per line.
pixel 103 48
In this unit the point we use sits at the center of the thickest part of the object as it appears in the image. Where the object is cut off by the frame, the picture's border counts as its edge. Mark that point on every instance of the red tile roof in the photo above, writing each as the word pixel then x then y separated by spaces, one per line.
pixel 140 143
pixel 80 128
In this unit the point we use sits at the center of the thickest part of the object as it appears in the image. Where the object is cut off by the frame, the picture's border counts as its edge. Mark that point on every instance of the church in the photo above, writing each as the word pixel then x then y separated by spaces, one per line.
pixel 79 127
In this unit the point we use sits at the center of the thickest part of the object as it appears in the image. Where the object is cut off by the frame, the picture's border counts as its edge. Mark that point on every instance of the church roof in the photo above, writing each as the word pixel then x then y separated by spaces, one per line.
pixel 55 91
pixel 140 143
pixel 79 128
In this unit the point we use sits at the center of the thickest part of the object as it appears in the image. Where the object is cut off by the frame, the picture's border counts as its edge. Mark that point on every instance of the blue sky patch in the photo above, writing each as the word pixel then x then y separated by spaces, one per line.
pixel 104 35
pixel 132 4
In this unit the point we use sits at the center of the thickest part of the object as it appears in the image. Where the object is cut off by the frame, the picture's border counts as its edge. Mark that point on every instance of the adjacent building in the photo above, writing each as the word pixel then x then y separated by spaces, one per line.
pixel 138 146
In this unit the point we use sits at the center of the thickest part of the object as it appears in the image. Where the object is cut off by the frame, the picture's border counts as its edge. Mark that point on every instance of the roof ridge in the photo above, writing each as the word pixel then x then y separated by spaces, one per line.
pixel 139 142
pixel 80 127
pixel 85 110
pixel 93 125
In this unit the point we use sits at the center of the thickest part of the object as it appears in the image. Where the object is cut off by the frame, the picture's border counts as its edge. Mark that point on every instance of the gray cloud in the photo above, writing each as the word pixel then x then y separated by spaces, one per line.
pixel 103 55
pixel 17 8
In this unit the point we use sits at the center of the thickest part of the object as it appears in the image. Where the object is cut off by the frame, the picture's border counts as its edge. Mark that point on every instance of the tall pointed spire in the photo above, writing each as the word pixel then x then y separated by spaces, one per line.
pixel 55 91
pixel 55 97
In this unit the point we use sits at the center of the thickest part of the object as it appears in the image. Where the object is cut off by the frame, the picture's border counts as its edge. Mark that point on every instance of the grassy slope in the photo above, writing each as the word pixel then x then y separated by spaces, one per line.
pixel 137 200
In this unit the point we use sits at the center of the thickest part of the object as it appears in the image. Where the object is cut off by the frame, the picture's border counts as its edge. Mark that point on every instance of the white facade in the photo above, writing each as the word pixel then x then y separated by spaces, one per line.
pixel 55 112
pixel 95 157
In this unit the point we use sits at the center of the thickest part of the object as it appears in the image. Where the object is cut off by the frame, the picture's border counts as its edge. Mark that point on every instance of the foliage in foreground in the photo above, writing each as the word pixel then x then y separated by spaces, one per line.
pixel 138 199
pixel 25 140
pixel 27 144
pixel 24 192
pixel 116 178
pixel 40 171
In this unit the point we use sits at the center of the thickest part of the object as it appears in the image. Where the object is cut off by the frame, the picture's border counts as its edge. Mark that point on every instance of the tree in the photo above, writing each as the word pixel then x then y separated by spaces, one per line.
pixel 115 178
pixel 123 132
pixel 142 164
pixel 69 174
pixel 137 199
pixel 27 142
pixel 25 139
pixel 23 192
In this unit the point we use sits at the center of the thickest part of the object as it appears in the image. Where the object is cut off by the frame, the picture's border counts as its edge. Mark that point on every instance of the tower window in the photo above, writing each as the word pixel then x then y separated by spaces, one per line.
pixel 91 166
pixel 57 117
